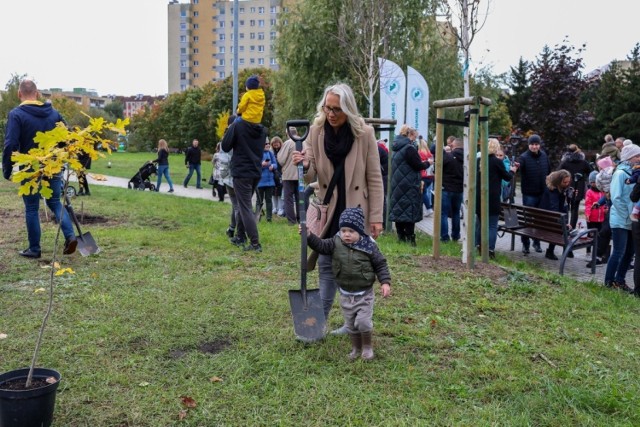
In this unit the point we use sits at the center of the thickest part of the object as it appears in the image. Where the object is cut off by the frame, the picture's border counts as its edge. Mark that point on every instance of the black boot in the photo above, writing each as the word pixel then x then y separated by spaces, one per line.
pixel 550 255
pixel 411 238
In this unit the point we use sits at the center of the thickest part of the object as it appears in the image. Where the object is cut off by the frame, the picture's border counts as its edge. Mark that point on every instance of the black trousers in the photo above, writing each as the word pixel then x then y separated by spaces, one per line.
pixel 405 228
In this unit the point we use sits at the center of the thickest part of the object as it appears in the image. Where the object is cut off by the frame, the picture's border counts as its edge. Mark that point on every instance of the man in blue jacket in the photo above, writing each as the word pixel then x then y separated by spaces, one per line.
pixel 23 122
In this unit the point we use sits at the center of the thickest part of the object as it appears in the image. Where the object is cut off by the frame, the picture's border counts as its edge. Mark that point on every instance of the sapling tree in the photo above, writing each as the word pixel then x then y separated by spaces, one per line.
pixel 56 150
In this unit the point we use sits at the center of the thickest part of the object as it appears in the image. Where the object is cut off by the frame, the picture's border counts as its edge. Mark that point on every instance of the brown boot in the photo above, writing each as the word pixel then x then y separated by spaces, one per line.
pixel 367 347
pixel 356 346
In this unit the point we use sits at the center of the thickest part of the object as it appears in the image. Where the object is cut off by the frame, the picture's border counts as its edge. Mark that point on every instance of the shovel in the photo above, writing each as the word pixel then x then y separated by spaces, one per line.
pixel 306 305
pixel 86 243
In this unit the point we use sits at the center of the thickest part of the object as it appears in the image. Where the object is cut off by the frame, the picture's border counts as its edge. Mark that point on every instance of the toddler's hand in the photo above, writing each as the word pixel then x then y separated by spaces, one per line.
pixel 386 290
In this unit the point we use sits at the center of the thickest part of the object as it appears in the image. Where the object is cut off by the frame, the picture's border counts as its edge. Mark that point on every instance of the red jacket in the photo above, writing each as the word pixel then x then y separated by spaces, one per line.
pixel 591 197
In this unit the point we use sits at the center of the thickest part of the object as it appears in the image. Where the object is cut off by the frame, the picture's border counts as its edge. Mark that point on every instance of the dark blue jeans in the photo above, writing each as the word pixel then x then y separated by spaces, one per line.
pixel 163 171
pixel 621 255
pixel 532 201
pixel 451 203
pixel 493 231
pixel 426 193
pixel 193 167
pixel 32 217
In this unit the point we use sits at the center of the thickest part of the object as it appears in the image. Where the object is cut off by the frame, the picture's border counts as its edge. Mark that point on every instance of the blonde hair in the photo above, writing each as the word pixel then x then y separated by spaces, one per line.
pixel 347 104
pixel 494 146
pixel 423 145
pixel 406 130
pixel 162 145
pixel 554 179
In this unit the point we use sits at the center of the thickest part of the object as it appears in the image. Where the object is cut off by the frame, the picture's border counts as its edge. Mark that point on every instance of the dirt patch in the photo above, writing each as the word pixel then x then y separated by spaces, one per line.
pixel 214 347
pixel 493 272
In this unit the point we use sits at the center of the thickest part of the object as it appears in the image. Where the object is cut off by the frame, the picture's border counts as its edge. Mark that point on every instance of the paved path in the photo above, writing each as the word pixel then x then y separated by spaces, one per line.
pixel 575 267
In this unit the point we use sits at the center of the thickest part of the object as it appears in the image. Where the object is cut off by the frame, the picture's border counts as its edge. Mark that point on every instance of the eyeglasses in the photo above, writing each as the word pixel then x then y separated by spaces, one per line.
pixel 331 110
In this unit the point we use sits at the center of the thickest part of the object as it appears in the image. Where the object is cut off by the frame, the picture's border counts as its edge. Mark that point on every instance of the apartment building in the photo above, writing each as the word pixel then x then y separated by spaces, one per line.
pixel 201 39
pixel 81 96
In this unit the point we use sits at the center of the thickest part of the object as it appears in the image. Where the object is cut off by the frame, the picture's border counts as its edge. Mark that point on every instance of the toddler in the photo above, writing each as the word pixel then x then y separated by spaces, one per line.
pixel 251 106
pixel 592 209
pixel 355 261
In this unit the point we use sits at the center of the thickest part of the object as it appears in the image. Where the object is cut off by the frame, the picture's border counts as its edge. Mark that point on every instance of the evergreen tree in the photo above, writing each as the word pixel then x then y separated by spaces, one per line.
pixel 520 92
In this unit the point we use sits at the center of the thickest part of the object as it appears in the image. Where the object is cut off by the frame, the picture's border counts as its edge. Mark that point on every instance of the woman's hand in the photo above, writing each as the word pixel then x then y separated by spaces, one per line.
pixel 376 229
pixel 298 156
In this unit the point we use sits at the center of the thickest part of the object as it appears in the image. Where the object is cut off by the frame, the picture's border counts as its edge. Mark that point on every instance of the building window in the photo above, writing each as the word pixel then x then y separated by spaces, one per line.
pixel 196 14
pixel 273 61
pixel 252 48
pixel 183 76
pixel 252 61
pixel 183 26
pixel 241 36
pixel 196 51
pixel 221 74
pixel 221 24
pixel 273 22
pixel 196 26
pixel 183 13
pixel 272 35
pixel 274 9
pixel 196 75
pixel 221 37
pixel 252 36
pixel 241 22
pixel 196 39
pixel 231 47
pixel 261 48
pixel 241 61
pixel 261 10
pixel 241 48
pixel 221 63
pixel 196 63
pixel 183 39
pixel 183 50
pixel 196 1
pixel 183 63
pixel 183 87
pixel 241 10
pixel 260 61
pixel 221 49
pixel 260 36
pixel 252 10
pixel 260 22
pixel 222 11
pixel 252 22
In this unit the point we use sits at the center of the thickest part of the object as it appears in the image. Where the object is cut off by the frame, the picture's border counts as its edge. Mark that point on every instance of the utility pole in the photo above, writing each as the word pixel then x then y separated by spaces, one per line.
pixel 235 56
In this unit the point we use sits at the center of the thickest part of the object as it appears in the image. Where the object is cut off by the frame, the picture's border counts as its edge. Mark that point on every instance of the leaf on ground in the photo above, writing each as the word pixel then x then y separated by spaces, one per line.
pixel 38 290
pixel 433 323
pixel 189 402
pixel 45 266
pixel 56 265
pixel 3 336
pixel 216 379
pixel 64 270
pixel 182 414
pixel 144 384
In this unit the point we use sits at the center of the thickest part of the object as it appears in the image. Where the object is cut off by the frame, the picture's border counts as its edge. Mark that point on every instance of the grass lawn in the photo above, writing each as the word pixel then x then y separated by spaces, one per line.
pixel 170 310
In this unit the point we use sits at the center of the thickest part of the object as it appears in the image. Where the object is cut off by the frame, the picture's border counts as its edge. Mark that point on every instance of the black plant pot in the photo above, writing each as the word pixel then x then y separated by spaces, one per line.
pixel 28 408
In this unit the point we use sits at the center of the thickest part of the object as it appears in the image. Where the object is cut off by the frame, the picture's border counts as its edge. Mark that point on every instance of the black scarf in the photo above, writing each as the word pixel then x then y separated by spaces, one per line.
pixel 337 146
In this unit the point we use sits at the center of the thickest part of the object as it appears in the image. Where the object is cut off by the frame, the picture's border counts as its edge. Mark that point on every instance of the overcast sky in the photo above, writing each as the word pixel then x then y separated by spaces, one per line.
pixel 120 46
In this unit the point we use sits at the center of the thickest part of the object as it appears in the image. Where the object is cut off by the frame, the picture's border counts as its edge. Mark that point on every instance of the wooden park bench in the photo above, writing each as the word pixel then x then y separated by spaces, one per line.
pixel 548 226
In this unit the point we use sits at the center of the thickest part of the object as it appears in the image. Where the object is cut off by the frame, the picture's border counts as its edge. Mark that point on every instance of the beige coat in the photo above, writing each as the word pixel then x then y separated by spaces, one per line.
pixel 363 179
pixel 285 160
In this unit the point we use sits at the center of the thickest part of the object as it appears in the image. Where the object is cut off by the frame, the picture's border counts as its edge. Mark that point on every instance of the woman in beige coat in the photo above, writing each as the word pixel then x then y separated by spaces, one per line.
pixel 340 140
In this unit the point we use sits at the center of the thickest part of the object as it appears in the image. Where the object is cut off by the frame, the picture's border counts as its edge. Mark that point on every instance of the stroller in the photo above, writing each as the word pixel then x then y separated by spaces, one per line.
pixel 140 180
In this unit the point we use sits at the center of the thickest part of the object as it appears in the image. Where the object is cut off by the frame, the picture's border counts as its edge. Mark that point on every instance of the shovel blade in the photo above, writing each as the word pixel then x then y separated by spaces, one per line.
pixel 87 245
pixel 308 320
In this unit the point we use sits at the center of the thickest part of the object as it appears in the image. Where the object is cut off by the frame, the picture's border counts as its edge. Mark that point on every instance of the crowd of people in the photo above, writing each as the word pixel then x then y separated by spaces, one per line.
pixel 348 167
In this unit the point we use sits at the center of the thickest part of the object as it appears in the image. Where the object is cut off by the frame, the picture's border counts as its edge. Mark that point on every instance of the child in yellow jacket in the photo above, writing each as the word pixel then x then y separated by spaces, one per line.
pixel 251 105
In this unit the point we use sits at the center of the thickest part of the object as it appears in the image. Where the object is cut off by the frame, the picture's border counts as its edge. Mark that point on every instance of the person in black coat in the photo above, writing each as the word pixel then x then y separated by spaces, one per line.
pixel 534 167
pixel 574 162
pixel 405 208
pixel 452 186
pixel 497 173
pixel 85 161
pixel 383 152
pixel 192 161
pixel 556 196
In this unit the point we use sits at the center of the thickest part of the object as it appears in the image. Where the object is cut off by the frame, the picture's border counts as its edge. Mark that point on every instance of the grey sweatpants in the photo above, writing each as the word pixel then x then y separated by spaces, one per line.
pixel 358 311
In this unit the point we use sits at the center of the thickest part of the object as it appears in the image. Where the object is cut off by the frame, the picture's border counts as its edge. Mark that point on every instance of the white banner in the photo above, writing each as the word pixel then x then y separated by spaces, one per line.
pixel 418 102
pixel 392 94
